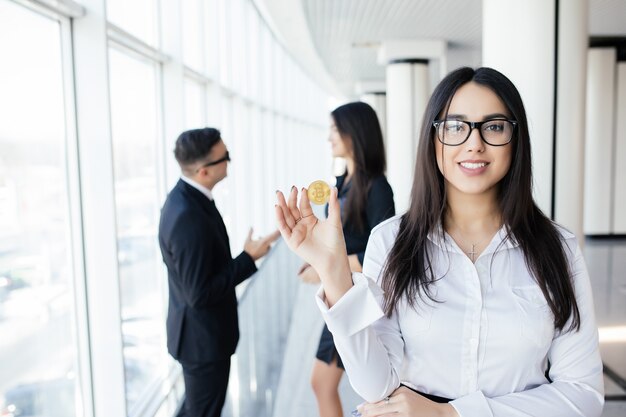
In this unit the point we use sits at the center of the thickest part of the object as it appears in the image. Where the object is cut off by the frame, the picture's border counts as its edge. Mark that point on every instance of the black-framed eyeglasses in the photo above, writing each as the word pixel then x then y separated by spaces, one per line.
pixel 225 158
pixel 494 132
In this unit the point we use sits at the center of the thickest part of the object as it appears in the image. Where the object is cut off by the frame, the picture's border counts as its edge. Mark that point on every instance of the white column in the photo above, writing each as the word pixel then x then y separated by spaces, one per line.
pixel 599 140
pixel 408 91
pixel 573 40
pixel 98 209
pixel 619 208
pixel 519 41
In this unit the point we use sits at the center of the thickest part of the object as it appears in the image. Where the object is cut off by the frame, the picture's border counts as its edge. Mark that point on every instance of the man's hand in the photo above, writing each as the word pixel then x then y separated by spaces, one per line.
pixel 259 248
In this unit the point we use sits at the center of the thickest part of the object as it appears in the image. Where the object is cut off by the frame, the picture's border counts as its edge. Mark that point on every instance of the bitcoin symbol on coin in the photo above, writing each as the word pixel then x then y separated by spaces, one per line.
pixel 318 192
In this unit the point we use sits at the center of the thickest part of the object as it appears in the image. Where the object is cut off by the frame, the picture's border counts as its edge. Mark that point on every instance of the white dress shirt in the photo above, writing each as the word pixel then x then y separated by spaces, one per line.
pixel 486 344
pixel 198 187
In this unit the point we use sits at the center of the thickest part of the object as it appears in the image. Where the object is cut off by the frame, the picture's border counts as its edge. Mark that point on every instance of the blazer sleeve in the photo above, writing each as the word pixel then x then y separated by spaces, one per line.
pixel 206 280
pixel 379 207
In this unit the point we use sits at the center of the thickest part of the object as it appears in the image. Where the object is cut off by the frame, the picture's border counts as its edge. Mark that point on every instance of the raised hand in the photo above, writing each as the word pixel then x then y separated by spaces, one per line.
pixel 320 243
pixel 259 248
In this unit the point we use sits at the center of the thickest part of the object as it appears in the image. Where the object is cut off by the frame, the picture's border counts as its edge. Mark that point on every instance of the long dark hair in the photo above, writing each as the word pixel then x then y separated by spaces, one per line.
pixel 408 269
pixel 358 123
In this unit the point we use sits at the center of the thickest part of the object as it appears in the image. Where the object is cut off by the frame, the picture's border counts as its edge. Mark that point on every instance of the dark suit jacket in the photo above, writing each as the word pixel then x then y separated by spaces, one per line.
pixel 202 324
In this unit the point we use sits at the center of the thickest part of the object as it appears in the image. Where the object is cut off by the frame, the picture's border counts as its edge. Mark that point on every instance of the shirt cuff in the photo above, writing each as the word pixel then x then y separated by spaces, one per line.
pixel 472 405
pixel 356 309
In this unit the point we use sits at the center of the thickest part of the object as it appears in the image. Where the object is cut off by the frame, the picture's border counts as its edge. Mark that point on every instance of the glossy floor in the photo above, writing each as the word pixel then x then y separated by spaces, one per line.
pixel 606 261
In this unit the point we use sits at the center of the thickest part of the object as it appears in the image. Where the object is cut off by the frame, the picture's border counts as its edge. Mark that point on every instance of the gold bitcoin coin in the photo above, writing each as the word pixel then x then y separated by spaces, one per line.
pixel 318 192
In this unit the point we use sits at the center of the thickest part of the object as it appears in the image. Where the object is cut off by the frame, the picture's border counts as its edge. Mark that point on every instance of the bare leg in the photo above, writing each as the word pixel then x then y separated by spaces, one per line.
pixel 325 380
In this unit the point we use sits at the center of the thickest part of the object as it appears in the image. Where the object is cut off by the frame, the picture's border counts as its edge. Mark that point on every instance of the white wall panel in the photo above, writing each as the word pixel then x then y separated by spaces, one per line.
pixel 599 137
pixel 518 40
pixel 407 94
pixel 570 117
pixel 619 211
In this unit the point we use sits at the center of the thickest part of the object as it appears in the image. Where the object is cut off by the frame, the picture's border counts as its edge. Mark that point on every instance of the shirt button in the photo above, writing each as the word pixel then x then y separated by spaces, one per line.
pixel 473 342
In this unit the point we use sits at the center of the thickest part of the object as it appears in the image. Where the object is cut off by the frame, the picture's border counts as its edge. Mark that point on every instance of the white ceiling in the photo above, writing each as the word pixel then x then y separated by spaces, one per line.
pixel 345 33
pixel 342 29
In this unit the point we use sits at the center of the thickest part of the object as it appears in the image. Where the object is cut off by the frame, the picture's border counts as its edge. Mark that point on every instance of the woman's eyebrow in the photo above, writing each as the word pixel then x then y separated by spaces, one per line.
pixel 495 115
pixel 486 117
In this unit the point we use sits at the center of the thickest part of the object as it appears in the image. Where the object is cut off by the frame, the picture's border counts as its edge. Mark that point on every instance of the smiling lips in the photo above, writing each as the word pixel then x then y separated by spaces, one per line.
pixel 473 167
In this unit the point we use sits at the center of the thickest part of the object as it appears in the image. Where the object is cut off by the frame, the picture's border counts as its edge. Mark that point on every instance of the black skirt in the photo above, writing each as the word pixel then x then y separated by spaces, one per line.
pixel 326 350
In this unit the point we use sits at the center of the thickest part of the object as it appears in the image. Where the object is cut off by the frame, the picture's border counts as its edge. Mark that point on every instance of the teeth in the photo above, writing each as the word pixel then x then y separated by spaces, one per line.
pixel 473 165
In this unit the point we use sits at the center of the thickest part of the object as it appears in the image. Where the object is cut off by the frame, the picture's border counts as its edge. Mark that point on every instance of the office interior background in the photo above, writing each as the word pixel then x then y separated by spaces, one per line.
pixel 93 94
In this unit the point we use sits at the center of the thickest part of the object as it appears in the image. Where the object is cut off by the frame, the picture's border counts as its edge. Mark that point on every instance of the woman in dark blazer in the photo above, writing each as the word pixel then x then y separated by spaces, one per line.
pixel 366 199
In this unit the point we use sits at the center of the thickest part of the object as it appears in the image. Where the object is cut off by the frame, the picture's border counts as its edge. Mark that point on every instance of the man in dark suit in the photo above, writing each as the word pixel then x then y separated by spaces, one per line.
pixel 202 325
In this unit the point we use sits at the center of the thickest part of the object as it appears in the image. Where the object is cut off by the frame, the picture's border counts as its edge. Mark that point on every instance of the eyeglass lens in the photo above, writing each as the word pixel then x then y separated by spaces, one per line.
pixel 494 132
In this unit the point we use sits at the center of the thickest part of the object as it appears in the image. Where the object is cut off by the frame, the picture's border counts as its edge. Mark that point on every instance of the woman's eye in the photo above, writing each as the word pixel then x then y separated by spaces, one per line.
pixel 454 127
pixel 494 127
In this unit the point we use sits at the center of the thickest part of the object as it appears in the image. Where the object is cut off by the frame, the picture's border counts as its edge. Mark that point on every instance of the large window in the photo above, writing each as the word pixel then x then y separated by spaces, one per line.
pixel 38 348
pixel 134 104
pixel 93 94
pixel 137 17
pixel 193 34
pixel 195 104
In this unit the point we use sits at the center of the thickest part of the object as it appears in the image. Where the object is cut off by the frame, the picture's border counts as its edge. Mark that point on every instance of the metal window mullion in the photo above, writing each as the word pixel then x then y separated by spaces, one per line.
pixel 120 37
pixel 229 92
pixel 76 248
pixel 55 8
pixel 196 76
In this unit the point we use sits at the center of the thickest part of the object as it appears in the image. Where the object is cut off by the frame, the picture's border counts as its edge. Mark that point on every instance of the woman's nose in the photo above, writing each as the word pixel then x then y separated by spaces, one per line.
pixel 475 141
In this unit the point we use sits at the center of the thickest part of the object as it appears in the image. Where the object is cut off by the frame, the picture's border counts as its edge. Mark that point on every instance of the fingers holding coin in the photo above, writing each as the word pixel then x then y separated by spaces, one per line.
pixel 292 205
pixel 289 213
pixel 318 192
pixel 284 229
pixel 305 206
pixel 283 213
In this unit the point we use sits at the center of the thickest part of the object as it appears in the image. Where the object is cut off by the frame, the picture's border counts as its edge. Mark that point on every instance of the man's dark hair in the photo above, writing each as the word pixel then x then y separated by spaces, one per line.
pixel 194 145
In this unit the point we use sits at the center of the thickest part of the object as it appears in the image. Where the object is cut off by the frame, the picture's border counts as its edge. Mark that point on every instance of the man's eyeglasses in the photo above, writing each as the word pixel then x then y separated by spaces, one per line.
pixel 494 132
pixel 217 161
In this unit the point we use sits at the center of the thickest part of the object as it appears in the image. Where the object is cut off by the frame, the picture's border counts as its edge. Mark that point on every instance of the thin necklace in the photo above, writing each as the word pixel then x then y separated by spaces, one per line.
pixel 472 253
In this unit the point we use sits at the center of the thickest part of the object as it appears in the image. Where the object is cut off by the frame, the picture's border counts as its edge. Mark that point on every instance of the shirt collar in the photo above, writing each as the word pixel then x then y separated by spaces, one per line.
pixel 500 240
pixel 198 187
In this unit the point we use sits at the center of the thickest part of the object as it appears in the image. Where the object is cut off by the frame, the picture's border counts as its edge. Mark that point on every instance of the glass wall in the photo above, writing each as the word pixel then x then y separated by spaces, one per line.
pixel 140 78
pixel 38 349
pixel 195 103
pixel 138 17
pixel 135 128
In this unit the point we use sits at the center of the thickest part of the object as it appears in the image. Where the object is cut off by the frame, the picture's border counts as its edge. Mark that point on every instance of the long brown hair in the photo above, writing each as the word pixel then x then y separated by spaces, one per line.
pixel 358 122
pixel 408 270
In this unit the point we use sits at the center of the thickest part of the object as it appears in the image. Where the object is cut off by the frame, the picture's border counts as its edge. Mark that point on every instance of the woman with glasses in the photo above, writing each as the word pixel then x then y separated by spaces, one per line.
pixel 473 303
pixel 366 199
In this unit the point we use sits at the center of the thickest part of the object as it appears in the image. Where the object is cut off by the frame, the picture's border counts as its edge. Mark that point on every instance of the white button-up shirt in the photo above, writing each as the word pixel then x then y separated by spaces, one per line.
pixel 198 187
pixel 486 343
